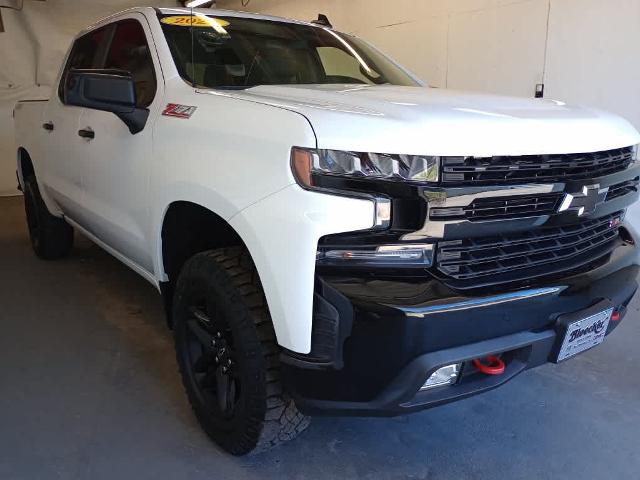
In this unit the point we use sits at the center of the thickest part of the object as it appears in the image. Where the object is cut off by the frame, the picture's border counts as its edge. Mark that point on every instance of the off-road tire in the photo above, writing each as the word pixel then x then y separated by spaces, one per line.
pixel 51 237
pixel 264 414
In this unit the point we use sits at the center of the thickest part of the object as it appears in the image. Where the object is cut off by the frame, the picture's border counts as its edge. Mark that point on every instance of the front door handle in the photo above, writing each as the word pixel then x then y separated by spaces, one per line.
pixel 87 133
pixel 48 126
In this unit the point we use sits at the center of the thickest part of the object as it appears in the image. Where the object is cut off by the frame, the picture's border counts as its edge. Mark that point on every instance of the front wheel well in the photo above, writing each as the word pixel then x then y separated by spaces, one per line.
pixel 188 229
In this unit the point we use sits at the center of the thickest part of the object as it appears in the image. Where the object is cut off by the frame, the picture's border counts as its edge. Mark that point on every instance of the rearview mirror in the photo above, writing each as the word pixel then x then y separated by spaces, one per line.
pixel 107 90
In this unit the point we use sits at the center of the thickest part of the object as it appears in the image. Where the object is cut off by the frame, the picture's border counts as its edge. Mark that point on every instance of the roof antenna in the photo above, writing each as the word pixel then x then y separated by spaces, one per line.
pixel 322 20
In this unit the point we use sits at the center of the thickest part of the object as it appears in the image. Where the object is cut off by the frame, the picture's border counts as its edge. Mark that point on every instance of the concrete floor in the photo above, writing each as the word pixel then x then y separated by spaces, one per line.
pixel 89 389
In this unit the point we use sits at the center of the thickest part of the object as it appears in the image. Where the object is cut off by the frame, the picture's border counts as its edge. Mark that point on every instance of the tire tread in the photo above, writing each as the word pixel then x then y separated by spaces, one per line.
pixel 275 418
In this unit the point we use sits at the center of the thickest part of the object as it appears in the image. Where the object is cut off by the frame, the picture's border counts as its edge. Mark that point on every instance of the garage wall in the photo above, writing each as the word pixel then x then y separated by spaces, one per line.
pixel 594 54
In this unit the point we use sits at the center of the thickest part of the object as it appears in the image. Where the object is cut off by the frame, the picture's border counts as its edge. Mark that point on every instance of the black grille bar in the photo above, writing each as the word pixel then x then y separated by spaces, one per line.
pixel 534 168
pixel 520 206
pixel 528 251
pixel 498 208
pixel 623 189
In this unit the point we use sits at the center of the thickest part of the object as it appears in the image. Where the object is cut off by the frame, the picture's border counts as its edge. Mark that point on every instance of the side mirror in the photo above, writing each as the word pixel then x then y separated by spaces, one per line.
pixel 107 90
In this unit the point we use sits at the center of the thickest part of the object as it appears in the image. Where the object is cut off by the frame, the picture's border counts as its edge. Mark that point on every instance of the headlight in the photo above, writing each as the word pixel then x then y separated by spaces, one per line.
pixel 367 166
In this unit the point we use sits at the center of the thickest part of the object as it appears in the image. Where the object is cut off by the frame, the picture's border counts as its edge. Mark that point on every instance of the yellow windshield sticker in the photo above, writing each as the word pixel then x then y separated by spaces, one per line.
pixel 196 21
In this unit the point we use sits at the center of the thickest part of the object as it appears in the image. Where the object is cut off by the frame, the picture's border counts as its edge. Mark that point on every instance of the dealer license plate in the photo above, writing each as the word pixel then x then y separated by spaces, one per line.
pixel 584 334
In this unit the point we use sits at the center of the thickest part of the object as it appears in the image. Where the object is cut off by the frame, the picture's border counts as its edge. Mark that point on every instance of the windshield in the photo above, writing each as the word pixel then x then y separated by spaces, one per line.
pixel 232 52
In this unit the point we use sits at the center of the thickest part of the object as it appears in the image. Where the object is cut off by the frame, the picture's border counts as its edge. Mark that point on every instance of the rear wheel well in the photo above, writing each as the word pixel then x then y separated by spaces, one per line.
pixel 189 229
pixel 25 164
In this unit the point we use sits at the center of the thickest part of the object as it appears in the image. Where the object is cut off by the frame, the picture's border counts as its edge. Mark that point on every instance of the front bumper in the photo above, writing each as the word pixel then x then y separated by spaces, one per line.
pixel 377 340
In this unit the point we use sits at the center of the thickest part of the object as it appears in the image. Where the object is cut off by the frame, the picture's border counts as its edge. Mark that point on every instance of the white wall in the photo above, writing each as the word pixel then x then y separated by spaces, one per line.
pixel 594 54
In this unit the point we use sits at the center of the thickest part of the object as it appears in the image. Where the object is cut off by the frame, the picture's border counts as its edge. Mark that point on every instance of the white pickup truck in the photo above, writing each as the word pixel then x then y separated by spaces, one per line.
pixel 329 234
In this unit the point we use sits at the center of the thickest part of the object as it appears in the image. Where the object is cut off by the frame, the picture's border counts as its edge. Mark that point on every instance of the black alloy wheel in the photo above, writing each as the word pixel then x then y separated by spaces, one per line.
pixel 228 354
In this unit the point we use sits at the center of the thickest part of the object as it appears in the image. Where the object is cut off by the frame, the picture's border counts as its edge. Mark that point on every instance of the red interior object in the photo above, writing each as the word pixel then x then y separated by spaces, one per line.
pixel 615 316
pixel 493 365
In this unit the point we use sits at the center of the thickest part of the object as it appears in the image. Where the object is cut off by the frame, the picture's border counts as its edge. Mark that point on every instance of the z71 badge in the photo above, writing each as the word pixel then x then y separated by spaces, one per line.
pixel 179 111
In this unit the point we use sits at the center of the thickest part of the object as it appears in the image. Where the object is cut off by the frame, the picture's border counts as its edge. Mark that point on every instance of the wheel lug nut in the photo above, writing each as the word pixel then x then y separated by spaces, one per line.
pixel 229 362
pixel 217 360
pixel 224 369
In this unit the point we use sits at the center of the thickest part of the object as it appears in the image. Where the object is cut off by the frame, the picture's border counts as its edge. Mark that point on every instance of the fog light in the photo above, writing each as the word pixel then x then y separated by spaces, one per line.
pixel 447 375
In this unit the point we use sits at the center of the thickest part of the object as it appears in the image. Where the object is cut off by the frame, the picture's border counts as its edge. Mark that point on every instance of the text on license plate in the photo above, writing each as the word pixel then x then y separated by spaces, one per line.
pixel 585 334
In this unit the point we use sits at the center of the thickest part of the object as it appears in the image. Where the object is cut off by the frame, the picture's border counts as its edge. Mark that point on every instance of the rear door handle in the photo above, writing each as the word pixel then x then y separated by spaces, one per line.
pixel 48 126
pixel 87 133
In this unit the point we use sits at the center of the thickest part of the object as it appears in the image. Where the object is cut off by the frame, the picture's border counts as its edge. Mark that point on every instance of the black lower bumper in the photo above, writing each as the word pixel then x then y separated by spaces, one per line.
pixel 376 341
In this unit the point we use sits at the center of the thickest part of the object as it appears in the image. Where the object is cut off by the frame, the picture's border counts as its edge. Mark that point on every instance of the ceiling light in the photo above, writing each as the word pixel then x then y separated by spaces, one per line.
pixel 197 3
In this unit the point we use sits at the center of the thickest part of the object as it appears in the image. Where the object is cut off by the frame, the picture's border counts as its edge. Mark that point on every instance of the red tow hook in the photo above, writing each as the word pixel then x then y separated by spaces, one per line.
pixel 493 365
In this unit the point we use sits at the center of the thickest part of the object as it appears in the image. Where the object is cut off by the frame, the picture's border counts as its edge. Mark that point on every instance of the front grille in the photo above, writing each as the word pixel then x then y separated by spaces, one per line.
pixel 499 208
pixel 623 189
pixel 529 254
pixel 534 168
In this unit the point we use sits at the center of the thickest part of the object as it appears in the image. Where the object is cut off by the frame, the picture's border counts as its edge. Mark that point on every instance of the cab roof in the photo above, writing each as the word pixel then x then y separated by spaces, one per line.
pixel 230 13
pixel 187 11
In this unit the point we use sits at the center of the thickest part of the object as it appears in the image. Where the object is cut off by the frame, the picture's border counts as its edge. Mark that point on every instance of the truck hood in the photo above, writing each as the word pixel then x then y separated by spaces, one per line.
pixel 430 121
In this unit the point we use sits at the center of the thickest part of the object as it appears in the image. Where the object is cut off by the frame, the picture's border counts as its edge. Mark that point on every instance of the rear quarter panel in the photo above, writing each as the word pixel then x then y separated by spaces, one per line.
pixel 28 118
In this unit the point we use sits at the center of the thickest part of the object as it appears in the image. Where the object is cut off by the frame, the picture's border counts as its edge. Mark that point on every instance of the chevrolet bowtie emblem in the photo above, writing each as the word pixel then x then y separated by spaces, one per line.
pixel 584 202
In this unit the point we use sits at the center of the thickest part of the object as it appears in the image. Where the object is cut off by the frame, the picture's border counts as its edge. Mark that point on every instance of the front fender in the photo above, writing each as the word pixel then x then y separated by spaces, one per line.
pixel 282 233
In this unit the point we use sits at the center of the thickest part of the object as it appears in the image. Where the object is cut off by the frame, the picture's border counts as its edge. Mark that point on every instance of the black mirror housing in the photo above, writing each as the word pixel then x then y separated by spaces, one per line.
pixel 107 90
